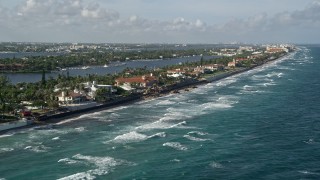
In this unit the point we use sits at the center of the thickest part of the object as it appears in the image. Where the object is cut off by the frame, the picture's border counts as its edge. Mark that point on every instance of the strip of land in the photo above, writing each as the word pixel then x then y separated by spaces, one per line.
pixel 150 86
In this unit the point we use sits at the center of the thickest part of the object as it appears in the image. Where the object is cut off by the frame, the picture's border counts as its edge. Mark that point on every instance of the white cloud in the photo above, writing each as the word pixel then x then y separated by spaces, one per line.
pixel 309 16
pixel 70 20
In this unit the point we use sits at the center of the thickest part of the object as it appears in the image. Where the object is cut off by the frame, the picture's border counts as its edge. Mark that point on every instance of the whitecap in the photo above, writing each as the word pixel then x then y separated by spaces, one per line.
pixel 130 137
pixel 155 125
pixel 308 172
pixel 6 135
pixel 195 138
pixel 162 124
pixel 55 138
pixel 80 129
pixel 310 141
pixel 179 125
pixel 175 145
pixel 160 134
pixel 216 165
pixel 69 161
pixel 198 133
pixel 37 149
pixel 134 136
pixel 166 102
pixel 102 165
pixel 79 176
pixel 212 105
pixel 248 88
pixel 69 120
pixel 175 160
pixel 2 150
pixel 175 114
pixel 269 84
pixel 226 81
pixel 95 115
pixel 280 74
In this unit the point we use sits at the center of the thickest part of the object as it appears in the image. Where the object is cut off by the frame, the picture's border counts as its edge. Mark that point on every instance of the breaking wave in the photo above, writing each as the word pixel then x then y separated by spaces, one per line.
pixel 175 145
pixel 101 166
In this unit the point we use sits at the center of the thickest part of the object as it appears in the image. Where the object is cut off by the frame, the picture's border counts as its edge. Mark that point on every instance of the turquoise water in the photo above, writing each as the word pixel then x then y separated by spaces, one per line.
pixel 262 124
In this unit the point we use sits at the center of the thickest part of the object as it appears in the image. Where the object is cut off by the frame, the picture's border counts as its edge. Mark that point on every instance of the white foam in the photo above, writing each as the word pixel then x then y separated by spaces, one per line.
pixel 216 165
pixel 166 102
pixel 163 123
pixel 69 120
pixel 160 134
pixel 130 137
pixel 308 172
pixel 6 135
pixel 2 150
pixel 79 176
pixel 274 74
pixel 175 114
pixel 53 133
pixel 195 138
pixel 198 133
pixel 55 138
pixel 102 166
pixel 268 84
pixel 80 129
pixel 37 149
pixel 98 161
pixel 134 136
pixel 176 145
pixel 179 125
pixel 175 160
pixel 310 141
pixel 114 115
pixel 69 161
pixel 212 105
pixel 155 125
pixel 226 81
pixel 95 115
pixel 248 88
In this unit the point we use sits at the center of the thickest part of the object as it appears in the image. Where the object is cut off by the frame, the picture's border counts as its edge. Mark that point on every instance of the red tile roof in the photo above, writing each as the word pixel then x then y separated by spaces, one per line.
pixel 138 79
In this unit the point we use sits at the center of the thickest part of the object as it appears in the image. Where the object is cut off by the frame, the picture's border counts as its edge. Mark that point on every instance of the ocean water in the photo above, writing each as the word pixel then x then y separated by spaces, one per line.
pixel 261 124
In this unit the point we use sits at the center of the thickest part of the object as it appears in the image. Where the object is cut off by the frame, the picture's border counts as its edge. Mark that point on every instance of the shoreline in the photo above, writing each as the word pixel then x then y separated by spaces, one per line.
pixel 58 118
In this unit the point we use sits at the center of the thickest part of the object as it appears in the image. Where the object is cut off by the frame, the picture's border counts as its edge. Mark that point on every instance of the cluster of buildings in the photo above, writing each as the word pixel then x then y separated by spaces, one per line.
pixel 135 84
pixel 270 49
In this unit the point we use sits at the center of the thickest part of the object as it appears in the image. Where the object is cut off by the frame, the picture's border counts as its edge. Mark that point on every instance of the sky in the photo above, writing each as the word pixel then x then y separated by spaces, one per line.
pixel 160 21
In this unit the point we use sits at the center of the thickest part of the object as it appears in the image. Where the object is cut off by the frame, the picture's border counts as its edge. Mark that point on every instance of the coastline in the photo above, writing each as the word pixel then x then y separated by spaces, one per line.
pixel 56 118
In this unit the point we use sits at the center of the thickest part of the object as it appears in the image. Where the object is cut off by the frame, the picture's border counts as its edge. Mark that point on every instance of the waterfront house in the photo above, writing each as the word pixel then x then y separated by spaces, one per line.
pixel 239 59
pixel 208 68
pixel 176 73
pixel 93 87
pixel 137 81
pixel 70 97
pixel 232 64
pixel 276 49
pixel 214 67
